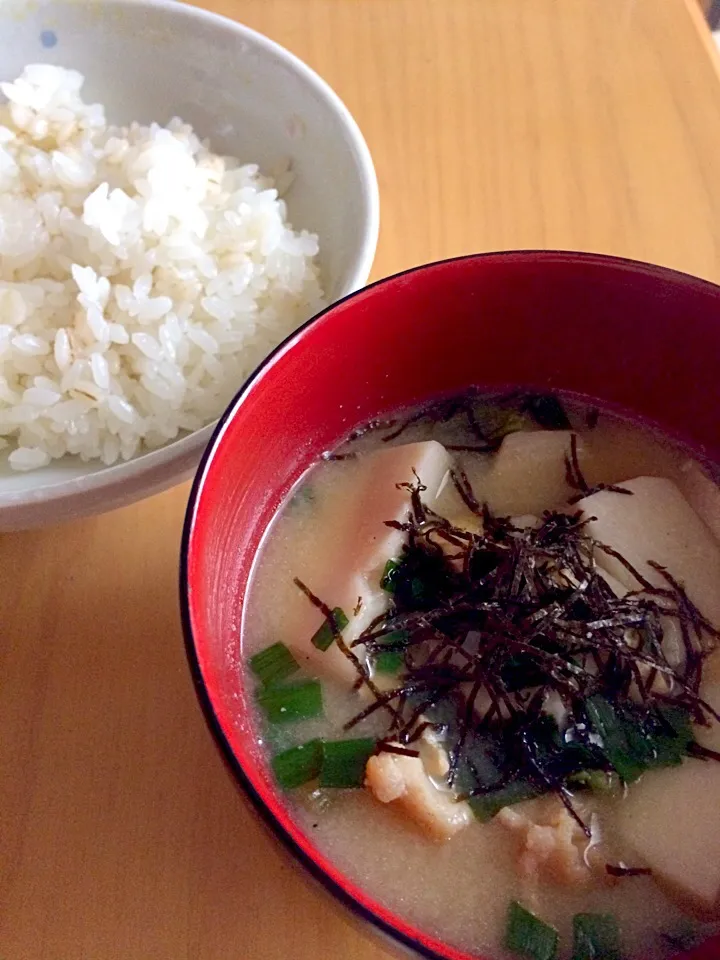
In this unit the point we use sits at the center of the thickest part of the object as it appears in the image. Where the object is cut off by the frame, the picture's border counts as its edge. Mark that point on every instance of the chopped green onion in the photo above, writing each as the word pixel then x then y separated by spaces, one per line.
pixel 389 574
pixel 296 701
pixel 632 743
pixel 395 640
pixel 595 937
pixel 486 805
pixel 343 762
pixel 298 765
pixel 273 664
pixel 389 661
pixel 619 739
pixel 671 735
pixel 596 780
pixel 324 636
pixel 528 936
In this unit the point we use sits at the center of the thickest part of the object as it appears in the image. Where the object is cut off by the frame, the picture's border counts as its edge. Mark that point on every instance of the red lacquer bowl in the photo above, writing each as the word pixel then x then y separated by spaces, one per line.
pixel 637 337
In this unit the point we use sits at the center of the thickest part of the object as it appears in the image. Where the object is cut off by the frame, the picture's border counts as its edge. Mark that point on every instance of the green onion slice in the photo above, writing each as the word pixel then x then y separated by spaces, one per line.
pixel 296 701
pixel 528 936
pixel 486 805
pixel 597 781
pixel 298 765
pixel 619 739
pixel 343 762
pixel 273 664
pixel 670 736
pixel 389 574
pixel 595 937
pixel 324 636
pixel 389 661
pixel 634 744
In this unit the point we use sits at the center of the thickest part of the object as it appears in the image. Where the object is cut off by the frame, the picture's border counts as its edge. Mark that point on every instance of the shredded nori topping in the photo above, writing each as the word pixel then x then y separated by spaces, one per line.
pixel 504 630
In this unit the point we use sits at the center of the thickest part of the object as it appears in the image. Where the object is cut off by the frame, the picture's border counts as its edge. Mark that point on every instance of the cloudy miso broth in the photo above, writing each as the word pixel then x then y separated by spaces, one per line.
pixel 490 628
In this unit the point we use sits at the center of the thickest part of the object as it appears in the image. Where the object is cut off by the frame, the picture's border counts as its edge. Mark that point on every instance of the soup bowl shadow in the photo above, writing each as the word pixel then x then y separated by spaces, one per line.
pixel 639 339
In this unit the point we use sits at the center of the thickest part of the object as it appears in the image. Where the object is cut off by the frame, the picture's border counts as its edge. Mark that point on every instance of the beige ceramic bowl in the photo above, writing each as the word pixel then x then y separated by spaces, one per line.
pixel 151 60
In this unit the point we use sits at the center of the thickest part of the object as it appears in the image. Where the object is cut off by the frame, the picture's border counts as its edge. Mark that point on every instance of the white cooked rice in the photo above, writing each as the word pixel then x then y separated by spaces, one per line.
pixel 142 277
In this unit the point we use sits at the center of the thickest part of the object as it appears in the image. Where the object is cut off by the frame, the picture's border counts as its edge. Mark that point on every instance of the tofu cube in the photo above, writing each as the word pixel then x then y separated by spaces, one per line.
pixel 657 523
pixel 358 545
pixel 526 475
pixel 670 820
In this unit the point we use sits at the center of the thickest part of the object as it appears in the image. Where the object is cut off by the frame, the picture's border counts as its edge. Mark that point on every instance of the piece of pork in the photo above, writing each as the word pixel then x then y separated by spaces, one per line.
pixel 552 845
pixel 405 783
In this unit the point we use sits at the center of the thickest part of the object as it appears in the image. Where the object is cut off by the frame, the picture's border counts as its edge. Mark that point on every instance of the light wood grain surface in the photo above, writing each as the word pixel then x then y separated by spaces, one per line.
pixel 494 124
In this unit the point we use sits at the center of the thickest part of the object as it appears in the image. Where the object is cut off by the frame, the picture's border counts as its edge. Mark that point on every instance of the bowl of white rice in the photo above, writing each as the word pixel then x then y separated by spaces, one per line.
pixel 177 195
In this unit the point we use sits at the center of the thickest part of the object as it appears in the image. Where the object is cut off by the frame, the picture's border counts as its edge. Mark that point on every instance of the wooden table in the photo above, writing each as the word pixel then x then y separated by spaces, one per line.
pixel 494 124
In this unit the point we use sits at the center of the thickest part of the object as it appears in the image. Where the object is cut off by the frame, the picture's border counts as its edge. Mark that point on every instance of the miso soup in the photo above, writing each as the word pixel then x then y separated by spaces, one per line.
pixel 484 641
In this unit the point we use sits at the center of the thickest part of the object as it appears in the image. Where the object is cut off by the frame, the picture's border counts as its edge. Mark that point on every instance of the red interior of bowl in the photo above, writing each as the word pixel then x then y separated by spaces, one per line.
pixel 634 336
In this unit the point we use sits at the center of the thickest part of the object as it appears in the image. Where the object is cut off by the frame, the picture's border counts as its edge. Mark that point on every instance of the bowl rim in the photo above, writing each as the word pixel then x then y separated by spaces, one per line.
pixel 109 479
pixel 335 887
